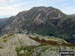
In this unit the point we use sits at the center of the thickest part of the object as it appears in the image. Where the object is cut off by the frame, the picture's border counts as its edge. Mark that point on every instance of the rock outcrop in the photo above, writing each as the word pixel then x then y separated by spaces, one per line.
pixel 23 45
pixel 10 42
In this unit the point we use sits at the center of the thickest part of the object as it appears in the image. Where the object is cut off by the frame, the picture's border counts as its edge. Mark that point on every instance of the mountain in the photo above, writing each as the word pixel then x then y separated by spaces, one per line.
pixel 2 21
pixel 44 21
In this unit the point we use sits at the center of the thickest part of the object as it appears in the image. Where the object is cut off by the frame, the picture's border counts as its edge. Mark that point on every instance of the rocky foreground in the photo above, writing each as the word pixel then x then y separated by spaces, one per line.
pixel 23 45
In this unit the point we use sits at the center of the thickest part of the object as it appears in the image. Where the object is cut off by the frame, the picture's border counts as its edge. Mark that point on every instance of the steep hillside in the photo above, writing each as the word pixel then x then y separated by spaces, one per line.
pixel 44 21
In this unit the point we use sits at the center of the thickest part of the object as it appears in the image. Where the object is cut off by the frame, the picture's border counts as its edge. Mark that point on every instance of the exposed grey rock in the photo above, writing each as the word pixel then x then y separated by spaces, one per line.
pixel 50 50
pixel 21 52
pixel 17 40
pixel 8 52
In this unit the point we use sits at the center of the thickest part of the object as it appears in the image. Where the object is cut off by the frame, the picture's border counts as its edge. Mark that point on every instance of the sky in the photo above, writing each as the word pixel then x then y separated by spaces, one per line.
pixel 10 8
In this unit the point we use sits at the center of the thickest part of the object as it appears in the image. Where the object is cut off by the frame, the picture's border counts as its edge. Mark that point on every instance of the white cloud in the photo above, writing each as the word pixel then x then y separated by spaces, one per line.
pixel 11 1
pixel 2 1
pixel 11 7
pixel 8 10
pixel 69 10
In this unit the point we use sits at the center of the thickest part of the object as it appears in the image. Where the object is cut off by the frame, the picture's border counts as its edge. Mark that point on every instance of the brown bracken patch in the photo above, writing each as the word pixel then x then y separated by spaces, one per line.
pixel 51 42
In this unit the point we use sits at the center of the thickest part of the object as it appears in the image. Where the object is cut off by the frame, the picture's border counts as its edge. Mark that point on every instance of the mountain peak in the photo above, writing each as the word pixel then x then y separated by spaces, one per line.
pixel 43 8
pixel 41 20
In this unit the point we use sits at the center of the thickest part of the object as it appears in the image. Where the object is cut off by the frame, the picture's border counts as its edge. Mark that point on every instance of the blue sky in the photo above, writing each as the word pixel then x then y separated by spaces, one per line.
pixel 12 7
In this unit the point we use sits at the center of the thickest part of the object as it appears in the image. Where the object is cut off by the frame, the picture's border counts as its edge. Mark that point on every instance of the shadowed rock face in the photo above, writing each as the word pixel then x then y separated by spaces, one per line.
pixel 44 21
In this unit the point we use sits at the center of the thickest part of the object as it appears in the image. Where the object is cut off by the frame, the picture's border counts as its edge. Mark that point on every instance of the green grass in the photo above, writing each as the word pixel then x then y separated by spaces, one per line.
pixel 29 50
pixel 5 37
pixel 1 47
pixel 42 50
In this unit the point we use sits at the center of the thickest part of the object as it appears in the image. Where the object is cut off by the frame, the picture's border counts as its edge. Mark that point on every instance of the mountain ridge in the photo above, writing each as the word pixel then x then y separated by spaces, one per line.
pixel 44 21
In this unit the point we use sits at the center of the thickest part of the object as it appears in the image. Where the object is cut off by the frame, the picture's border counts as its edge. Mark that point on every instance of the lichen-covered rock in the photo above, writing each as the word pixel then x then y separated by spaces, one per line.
pixel 8 47
pixel 23 45
pixel 50 50
pixel 8 52
pixel 17 40
pixel 21 52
